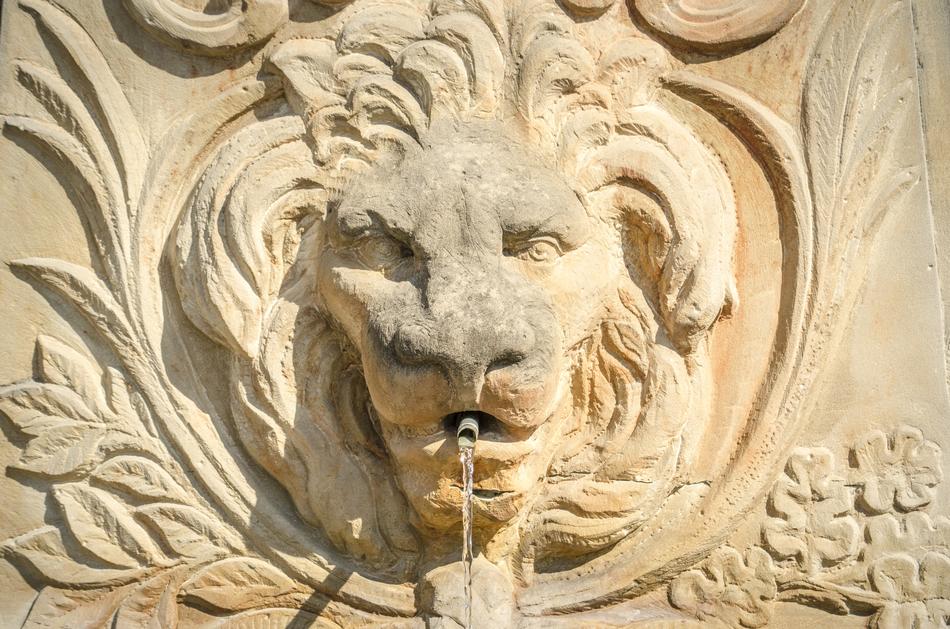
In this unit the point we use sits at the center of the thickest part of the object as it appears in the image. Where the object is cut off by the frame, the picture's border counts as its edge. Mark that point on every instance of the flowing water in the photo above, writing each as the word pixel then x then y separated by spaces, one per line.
pixel 465 456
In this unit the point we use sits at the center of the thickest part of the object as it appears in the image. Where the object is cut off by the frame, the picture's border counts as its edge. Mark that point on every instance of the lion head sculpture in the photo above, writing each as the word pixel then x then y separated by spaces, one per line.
pixel 458 210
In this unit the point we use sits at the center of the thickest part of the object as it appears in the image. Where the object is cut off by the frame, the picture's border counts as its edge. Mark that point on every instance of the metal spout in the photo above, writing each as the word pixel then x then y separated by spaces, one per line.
pixel 467 431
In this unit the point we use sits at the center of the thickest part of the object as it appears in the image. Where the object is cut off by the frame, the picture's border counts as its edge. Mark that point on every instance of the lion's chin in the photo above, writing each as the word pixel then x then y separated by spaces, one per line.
pixel 495 501
pixel 490 506
pixel 505 473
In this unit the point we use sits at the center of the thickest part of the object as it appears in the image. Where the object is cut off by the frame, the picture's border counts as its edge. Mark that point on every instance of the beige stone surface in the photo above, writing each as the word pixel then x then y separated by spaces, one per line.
pixel 685 260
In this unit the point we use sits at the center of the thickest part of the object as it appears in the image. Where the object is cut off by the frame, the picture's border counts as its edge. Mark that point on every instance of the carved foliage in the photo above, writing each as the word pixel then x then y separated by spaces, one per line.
pixel 129 511
pixel 134 526
pixel 857 112
pixel 814 526
pixel 728 587
pixel 897 473
pixel 831 550
pixel 917 591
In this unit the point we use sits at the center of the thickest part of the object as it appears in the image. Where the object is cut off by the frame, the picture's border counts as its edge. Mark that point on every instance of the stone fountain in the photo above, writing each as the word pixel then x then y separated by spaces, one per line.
pixel 473 313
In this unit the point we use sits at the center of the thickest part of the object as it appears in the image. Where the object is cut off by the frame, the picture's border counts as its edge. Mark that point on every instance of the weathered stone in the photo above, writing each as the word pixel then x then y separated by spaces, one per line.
pixel 678 255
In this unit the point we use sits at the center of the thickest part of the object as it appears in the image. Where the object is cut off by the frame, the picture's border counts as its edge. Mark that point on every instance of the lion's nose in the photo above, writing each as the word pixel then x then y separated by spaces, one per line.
pixel 466 345
pixel 508 346
pixel 479 338
pixel 475 323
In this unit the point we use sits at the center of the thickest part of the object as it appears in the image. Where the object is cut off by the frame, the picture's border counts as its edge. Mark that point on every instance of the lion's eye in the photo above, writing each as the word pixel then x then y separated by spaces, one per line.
pixel 541 250
pixel 381 253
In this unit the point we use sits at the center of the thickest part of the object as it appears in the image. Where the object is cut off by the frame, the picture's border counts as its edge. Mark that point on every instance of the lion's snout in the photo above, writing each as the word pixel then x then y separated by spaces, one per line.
pixel 476 342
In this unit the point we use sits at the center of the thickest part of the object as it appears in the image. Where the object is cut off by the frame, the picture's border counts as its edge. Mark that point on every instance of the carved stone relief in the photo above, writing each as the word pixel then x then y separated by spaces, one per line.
pixel 676 254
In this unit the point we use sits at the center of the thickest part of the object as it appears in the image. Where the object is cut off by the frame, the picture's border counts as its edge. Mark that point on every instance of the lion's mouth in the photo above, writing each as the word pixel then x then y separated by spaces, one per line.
pixel 490 432
pixel 490 428
pixel 488 425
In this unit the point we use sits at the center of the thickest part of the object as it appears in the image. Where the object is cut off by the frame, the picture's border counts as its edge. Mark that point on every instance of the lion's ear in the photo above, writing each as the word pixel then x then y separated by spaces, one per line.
pixel 670 186
pixel 238 237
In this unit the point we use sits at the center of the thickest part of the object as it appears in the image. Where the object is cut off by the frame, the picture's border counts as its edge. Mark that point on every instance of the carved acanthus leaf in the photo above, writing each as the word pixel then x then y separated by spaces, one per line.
pixel 189 532
pixel 238 584
pixel 103 527
pixel 98 143
pixel 140 477
pixel 66 412
pixel 44 551
pixel 857 110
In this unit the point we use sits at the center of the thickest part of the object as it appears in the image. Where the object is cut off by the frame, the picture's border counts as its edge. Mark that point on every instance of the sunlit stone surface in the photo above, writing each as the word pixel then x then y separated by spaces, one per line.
pixel 681 259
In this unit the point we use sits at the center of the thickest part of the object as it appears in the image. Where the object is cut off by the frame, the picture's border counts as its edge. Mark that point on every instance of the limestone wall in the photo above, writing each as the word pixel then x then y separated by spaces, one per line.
pixel 683 259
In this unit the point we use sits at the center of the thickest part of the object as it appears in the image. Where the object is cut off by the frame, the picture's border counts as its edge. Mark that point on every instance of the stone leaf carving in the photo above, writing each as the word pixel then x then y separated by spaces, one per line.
pixel 127 508
pixel 908 557
pixel 728 587
pixel 917 592
pixel 74 415
pixel 814 526
pixel 914 532
pixel 844 558
pixel 856 108
pixel 133 522
pixel 236 584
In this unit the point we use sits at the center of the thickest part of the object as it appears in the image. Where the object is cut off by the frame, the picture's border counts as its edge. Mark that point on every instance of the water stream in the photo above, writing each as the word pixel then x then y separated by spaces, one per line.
pixel 465 456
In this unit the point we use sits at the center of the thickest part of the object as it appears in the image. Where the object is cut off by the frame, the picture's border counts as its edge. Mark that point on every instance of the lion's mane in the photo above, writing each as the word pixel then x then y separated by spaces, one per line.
pixel 369 89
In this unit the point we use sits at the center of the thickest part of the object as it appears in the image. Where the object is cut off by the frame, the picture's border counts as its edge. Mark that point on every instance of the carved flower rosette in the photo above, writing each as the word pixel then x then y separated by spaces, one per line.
pixel 827 547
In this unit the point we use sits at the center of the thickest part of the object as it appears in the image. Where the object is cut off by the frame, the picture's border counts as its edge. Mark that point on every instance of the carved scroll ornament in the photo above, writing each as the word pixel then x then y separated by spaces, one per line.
pixel 708 24
pixel 717 24
pixel 241 24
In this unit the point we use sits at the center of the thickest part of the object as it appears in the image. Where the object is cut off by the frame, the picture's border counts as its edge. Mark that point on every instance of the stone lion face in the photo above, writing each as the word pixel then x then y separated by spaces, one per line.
pixel 463 274
pixel 435 220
